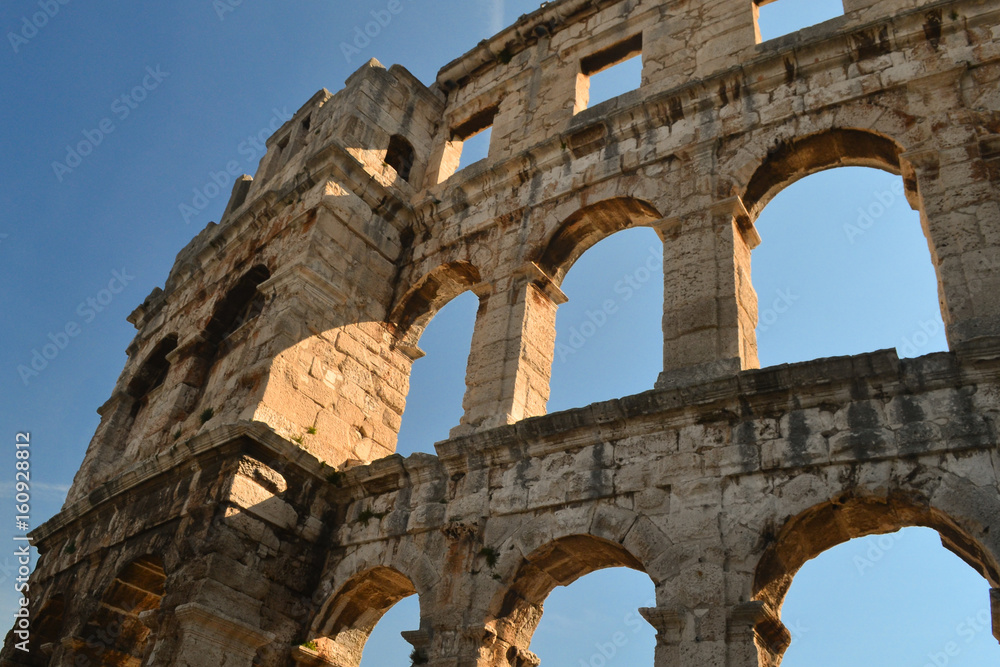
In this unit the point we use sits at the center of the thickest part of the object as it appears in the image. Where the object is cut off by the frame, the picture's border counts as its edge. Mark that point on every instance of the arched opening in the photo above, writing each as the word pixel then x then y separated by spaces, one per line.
pixel 386 645
pixel 241 304
pixel 437 380
pixel 347 621
pixel 843 269
pixel 46 631
pixel 822 528
pixel 154 370
pixel 844 266
pixel 151 374
pixel 588 226
pixel 790 161
pixel 584 626
pixel 115 634
pixel 439 313
pixel 561 564
pixel 609 335
pixel 899 598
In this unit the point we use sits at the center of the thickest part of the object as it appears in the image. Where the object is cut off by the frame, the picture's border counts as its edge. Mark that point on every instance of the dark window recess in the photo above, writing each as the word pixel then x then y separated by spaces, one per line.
pixel 400 156
pixel 620 52
pixel 473 137
pixel 240 305
pixel 151 374
pixel 154 370
pixel 476 124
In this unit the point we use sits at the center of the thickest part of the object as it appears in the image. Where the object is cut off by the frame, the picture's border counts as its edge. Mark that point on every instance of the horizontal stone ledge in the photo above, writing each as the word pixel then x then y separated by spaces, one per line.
pixel 908 27
pixel 810 384
pixel 762 391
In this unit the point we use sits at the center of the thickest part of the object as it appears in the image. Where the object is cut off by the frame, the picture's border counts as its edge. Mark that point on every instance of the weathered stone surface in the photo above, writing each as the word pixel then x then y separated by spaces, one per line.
pixel 239 503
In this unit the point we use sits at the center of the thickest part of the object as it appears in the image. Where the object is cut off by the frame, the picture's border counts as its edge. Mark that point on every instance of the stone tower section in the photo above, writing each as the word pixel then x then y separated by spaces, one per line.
pixel 279 315
pixel 240 503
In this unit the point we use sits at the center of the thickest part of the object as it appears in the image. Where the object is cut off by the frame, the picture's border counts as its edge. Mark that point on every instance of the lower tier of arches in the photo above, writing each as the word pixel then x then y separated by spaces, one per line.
pixel 242 549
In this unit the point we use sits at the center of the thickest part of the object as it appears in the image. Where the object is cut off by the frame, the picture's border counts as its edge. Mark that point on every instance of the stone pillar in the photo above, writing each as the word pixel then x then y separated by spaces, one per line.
pixel 755 636
pixel 210 638
pixel 952 179
pixel 669 625
pixel 512 348
pixel 420 640
pixel 961 218
pixel 469 646
pixel 995 611
pixel 710 307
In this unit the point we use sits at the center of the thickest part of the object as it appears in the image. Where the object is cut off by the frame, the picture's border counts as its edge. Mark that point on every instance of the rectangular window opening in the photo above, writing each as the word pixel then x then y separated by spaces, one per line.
pixel 476 148
pixel 776 18
pixel 470 141
pixel 609 73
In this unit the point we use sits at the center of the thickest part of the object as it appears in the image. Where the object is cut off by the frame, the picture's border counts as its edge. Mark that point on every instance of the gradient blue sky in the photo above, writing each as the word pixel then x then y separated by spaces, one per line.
pixel 225 77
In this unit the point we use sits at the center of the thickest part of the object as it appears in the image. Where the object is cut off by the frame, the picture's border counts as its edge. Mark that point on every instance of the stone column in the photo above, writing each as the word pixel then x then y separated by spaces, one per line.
pixel 512 348
pixel 961 218
pixel 210 638
pixel 995 609
pixel 420 640
pixel 755 636
pixel 669 625
pixel 710 307
pixel 952 179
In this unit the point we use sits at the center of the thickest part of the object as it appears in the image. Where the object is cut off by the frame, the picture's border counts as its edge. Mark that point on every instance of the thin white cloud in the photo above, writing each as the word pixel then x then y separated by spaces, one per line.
pixel 495 11
pixel 8 490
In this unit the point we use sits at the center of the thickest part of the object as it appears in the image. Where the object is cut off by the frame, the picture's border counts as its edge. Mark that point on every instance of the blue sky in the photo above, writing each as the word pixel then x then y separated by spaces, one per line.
pixel 170 92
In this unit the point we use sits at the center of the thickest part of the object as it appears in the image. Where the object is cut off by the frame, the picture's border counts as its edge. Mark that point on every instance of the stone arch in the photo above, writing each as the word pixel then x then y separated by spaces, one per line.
pixel 430 294
pixel 875 146
pixel 241 304
pixel 827 525
pixel 46 630
pixel 588 226
pixel 791 160
pixel 345 622
pixel 560 562
pixel 115 634
pixel 153 371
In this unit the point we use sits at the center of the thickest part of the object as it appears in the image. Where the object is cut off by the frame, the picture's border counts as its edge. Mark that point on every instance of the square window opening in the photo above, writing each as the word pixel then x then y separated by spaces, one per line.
pixel 776 18
pixel 470 142
pixel 609 73
pixel 476 148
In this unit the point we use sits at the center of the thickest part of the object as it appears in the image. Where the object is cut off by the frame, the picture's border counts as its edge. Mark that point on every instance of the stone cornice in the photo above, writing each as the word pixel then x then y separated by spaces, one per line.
pixel 770 390
pixel 633 114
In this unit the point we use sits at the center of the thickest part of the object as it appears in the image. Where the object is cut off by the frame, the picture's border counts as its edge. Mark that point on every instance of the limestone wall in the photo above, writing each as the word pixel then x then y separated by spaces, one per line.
pixel 236 505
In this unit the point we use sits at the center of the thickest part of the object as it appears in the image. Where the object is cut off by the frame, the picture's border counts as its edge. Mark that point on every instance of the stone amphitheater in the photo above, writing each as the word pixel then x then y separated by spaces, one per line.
pixel 240 503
